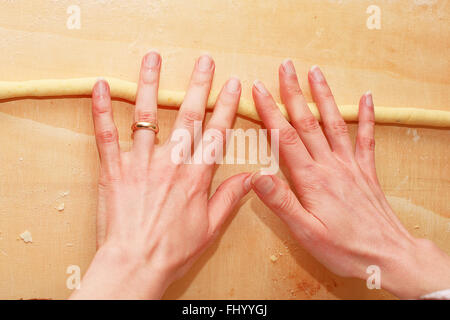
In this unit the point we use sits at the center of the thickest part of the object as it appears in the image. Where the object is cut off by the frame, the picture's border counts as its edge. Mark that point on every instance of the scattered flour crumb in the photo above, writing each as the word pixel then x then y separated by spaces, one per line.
pixel 69 244
pixel 26 236
pixel 64 193
pixel 3 253
pixel 20 159
pixel 273 258
pixel 60 207
pixel 415 135
pixel 416 227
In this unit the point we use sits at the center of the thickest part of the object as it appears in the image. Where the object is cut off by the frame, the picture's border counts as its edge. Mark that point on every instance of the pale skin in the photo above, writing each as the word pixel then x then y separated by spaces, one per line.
pixel 337 209
pixel 156 217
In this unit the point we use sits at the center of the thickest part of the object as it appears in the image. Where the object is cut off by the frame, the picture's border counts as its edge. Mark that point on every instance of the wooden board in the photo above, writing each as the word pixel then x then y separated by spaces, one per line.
pixel 46 145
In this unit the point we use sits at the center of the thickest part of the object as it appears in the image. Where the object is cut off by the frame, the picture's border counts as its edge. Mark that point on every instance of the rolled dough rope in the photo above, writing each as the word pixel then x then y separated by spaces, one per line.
pixel 127 90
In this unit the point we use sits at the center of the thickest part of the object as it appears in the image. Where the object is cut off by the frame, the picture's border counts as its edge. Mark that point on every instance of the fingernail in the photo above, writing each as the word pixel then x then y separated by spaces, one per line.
pixel 288 66
pixel 248 183
pixel 316 73
pixel 102 88
pixel 369 99
pixel 262 183
pixel 233 85
pixel 152 59
pixel 260 87
pixel 204 63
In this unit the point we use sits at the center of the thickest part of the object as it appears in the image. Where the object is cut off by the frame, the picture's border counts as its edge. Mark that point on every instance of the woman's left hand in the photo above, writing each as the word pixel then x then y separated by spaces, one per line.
pixel 154 215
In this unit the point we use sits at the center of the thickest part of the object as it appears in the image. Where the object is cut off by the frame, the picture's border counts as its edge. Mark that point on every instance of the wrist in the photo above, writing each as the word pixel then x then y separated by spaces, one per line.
pixel 416 270
pixel 115 273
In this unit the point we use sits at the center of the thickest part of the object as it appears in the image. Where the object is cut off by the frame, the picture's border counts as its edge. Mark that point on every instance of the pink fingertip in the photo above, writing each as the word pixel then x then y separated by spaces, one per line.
pixel 316 74
pixel 233 85
pixel 369 99
pixel 260 87
pixel 288 66
pixel 101 87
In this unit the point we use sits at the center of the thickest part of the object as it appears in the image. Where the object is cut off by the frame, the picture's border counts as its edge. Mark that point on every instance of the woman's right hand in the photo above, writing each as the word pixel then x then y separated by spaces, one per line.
pixel 155 214
pixel 338 211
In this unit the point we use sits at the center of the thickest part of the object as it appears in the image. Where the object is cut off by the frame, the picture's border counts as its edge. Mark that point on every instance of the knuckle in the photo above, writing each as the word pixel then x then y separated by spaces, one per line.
pixel 143 115
pixel 108 181
pixel 216 133
pixel 293 89
pixel 150 78
pixel 288 136
pixel 338 127
pixel 189 117
pixel 286 202
pixel 228 197
pixel 328 94
pixel 107 135
pixel 101 107
pixel 308 124
pixel 325 92
pixel 103 182
pixel 201 80
pixel 366 143
pixel 229 98
pixel 310 185
pixel 271 109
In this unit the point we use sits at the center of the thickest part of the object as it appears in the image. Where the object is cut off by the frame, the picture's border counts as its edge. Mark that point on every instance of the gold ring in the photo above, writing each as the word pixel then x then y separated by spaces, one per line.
pixel 145 125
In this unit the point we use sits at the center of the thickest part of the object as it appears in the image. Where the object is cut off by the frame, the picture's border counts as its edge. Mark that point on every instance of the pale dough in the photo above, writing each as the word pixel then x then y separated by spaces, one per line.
pixel 60 207
pixel 26 236
pixel 127 90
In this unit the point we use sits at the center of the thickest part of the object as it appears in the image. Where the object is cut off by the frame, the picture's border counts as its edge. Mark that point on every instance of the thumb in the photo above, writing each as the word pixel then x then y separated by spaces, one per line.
pixel 225 199
pixel 278 196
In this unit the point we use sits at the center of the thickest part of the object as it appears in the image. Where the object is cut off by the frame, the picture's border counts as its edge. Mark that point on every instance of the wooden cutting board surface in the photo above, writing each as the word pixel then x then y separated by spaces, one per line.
pixel 47 147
